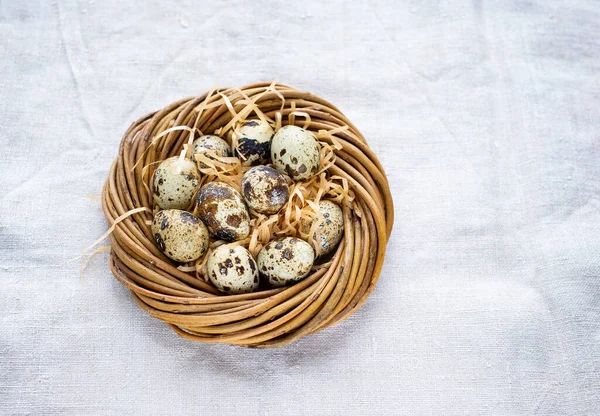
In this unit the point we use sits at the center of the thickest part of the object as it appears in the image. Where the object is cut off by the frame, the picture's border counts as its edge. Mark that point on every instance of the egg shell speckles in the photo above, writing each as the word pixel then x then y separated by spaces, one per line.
pixel 232 269
pixel 254 142
pixel 223 211
pixel 295 152
pixel 175 183
pixel 209 142
pixel 285 261
pixel 180 235
pixel 265 189
pixel 331 227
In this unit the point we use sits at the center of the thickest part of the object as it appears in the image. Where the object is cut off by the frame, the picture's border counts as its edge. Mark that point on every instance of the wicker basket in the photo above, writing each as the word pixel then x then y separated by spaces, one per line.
pixel 271 318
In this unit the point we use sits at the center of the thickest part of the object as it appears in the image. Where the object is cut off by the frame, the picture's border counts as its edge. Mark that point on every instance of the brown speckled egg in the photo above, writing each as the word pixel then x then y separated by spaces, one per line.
pixel 295 152
pixel 331 227
pixel 223 211
pixel 232 269
pixel 285 261
pixel 175 183
pixel 180 235
pixel 265 189
pixel 209 142
pixel 254 142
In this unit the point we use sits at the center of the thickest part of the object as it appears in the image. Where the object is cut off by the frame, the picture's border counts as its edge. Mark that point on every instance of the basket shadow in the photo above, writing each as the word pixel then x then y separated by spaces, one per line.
pixel 240 363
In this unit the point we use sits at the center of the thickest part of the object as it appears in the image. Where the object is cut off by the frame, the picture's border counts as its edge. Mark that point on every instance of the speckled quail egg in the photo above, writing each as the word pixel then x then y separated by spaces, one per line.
pixel 209 142
pixel 285 261
pixel 180 235
pixel 265 189
pixel 232 269
pixel 295 152
pixel 175 183
pixel 254 142
pixel 331 227
pixel 223 211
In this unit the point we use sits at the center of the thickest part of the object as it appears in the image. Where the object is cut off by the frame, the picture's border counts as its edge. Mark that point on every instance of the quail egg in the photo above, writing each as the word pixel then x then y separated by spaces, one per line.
pixel 175 183
pixel 209 142
pixel 254 142
pixel 285 261
pixel 232 269
pixel 223 211
pixel 265 189
pixel 331 227
pixel 180 235
pixel 295 152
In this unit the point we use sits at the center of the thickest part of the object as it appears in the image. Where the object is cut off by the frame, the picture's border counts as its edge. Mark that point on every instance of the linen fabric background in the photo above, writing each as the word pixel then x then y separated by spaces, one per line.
pixel 485 115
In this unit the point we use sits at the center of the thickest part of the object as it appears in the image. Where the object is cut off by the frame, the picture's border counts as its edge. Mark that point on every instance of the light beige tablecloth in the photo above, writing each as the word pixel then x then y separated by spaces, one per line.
pixel 486 117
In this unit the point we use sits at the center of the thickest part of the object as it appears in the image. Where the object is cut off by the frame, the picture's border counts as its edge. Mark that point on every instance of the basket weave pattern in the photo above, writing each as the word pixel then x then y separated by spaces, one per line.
pixel 272 318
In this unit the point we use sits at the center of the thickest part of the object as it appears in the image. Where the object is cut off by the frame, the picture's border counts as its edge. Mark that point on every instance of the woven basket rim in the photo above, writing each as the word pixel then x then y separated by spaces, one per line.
pixel 193 308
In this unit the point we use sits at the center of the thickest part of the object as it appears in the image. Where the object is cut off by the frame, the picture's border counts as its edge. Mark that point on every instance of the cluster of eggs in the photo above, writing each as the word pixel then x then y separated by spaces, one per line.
pixel 222 212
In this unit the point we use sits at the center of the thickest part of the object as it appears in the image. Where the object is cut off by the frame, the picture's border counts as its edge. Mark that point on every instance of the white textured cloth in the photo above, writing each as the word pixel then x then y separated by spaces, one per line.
pixel 485 115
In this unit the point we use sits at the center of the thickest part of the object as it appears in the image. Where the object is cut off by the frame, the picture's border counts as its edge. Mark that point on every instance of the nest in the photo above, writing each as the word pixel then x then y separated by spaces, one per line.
pixel 179 294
